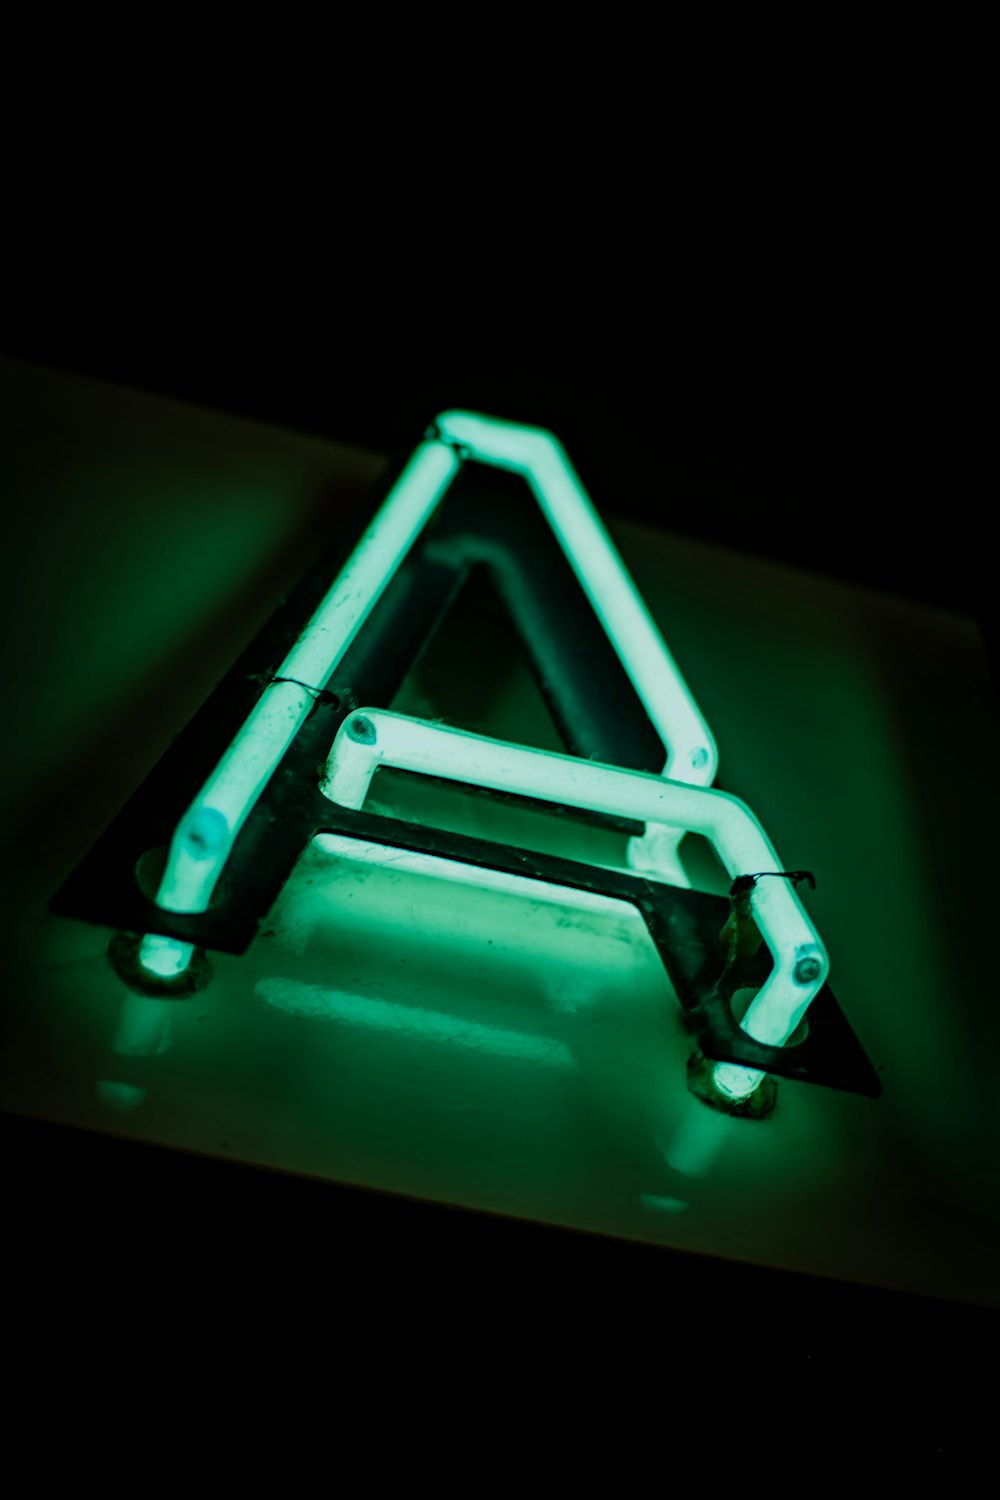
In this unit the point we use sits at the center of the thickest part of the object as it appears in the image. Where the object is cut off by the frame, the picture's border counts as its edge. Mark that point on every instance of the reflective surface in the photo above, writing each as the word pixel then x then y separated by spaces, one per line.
pixel 391 1028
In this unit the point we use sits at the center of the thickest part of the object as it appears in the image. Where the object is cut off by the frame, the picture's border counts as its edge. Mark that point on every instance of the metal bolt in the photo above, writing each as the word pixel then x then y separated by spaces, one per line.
pixel 361 729
pixel 807 969
pixel 205 833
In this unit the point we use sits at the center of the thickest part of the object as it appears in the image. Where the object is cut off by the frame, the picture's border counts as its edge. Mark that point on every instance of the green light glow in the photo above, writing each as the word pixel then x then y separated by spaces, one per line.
pixel 205 837
pixel 317 1000
pixel 412 745
pixel 165 957
pixel 143 1026
pixel 662 1205
pixel 698 1140
pixel 744 1080
pixel 405 861
pixel 123 1097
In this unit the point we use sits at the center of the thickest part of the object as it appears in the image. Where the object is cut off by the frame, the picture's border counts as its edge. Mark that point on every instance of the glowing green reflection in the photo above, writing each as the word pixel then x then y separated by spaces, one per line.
pixel 143 1026
pixel 737 1082
pixel 319 1001
pixel 407 861
pixel 698 1140
pixel 658 1204
pixel 123 1097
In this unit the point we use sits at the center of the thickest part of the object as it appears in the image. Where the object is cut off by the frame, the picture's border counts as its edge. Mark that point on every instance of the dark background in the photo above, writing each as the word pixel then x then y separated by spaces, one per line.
pixel 807 405
pixel 810 405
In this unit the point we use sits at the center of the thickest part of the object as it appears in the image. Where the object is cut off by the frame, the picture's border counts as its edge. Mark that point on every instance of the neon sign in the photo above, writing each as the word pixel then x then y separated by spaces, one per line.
pixel 658 803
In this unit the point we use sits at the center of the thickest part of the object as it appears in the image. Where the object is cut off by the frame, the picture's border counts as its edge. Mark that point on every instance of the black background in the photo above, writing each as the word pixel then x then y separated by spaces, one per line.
pixel 809 402
pixel 814 407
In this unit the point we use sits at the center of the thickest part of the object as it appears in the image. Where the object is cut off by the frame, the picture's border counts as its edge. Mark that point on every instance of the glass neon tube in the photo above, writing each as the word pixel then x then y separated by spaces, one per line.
pixel 206 834
pixel 540 458
pixel 372 737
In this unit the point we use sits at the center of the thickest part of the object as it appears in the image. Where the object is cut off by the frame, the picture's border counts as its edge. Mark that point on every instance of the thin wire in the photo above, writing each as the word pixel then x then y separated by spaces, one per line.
pixel 744 883
pixel 317 692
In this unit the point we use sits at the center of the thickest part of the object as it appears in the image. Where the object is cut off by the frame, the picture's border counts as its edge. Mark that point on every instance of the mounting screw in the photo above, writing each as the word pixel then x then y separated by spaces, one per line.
pixel 699 757
pixel 361 729
pixel 807 969
pixel 205 833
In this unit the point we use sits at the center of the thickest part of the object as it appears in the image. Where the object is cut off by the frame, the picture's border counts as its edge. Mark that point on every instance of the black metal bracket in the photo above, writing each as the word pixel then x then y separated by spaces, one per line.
pixel 487 519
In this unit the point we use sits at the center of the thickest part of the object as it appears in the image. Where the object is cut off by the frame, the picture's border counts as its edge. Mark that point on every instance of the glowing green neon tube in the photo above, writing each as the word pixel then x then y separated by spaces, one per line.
pixel 373 737
pixel 205 837
pixel 539 456
pixel 692 755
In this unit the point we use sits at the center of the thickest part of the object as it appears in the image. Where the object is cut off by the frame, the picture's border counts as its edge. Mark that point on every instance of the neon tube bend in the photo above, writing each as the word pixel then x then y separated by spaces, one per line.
pixel 373 737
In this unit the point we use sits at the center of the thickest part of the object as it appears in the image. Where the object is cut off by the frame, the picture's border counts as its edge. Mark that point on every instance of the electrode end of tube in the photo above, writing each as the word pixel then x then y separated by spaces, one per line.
pixel 124 954
pixel 754 1106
